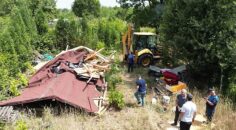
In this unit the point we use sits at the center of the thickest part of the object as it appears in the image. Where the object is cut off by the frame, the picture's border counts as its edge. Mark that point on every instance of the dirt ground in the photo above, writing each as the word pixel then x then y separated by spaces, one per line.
pixel 158 118
pixel 131 117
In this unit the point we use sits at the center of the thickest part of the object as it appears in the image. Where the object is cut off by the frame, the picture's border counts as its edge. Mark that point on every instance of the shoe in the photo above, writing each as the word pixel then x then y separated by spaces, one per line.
pixel 173 124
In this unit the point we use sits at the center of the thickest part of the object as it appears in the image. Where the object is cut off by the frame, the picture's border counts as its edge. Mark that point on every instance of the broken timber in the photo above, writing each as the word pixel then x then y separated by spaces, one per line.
pixel 75 77
pixel 7 114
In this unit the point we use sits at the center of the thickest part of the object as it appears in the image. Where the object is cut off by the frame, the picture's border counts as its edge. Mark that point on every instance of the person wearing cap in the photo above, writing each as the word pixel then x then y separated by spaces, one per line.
pixel 188 113
pixel 180 100
pixel 211 102
pixel 141 91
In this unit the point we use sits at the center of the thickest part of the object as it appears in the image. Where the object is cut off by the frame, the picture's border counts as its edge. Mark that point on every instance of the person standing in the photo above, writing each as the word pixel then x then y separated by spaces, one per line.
pixel 141 91
pixel 211 102
pixel 180 100
pixel 188 113
pixel 130 62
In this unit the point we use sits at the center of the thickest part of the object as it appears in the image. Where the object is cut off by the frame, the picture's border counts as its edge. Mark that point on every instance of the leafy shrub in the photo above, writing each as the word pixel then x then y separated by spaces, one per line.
pixel 2 125
pixel 14 87
pixel 22 79
pixel 100 45
pixel 116 99
pixel 114 80
pixel 21 125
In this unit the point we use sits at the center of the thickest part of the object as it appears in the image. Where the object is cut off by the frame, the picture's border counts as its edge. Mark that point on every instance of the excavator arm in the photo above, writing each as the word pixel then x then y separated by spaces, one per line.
pixel 127 41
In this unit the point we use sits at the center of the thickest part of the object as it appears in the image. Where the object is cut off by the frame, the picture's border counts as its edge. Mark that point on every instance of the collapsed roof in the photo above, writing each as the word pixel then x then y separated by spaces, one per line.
pixel 71 78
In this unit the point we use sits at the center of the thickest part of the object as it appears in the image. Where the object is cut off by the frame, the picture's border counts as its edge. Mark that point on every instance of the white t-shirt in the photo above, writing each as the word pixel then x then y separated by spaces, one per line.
pixel 188 108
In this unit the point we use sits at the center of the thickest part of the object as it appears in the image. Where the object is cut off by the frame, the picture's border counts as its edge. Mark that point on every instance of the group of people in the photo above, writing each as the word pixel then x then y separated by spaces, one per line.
pixel 185 108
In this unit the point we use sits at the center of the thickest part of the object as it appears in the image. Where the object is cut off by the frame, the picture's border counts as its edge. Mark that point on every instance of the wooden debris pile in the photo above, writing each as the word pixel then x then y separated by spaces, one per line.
pixel 7 114
pixel 93 66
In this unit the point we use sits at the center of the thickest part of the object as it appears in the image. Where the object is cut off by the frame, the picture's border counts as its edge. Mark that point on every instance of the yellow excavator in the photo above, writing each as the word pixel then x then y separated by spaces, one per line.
pixel 142 44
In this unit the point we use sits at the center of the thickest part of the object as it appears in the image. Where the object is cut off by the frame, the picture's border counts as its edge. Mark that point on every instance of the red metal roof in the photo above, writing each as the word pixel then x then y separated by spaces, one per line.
pixel 64 87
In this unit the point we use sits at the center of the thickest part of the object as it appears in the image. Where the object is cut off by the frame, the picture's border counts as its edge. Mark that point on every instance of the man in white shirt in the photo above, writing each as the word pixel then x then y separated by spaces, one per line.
pixel 188 113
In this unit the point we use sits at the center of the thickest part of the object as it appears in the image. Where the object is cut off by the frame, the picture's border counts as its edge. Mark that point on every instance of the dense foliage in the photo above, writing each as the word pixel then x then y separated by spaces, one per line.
pixel 86 7
pixel 199 33
pixel 202 33
pixel 145 12
pixel 29 26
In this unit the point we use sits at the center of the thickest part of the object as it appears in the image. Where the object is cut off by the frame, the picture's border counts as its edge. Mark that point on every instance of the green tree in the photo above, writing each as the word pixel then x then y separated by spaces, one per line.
pixel 6 7
pixel 145 12
pixel 62 33
pixel 86 7
pixel 68 33
pixel 202 33
pixel 41 22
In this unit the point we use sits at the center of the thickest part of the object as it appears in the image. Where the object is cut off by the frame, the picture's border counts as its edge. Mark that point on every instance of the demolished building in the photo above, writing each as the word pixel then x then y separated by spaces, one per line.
pixel 74 77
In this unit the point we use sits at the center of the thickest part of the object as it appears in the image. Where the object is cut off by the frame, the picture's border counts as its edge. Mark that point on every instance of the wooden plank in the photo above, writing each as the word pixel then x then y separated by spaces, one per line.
pixel 89 79
pixel 2 110
pixel 99 104
pixel 103 110
pixel 5 110
pixel 95 76
pixel 14 116
pixel 8 114
pixel 100 67
pixel 92 55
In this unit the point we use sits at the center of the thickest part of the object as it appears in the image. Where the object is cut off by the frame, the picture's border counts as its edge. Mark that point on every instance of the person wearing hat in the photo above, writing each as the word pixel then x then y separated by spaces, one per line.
pixel 211 102
pixel 180 100
pixel 188 113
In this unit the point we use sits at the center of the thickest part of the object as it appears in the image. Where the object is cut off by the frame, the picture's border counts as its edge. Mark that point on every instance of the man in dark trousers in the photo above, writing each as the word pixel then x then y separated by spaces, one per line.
pixel 130 62
pixel 188 113
pixel 211 102
pixel 180 100
pixel 141 91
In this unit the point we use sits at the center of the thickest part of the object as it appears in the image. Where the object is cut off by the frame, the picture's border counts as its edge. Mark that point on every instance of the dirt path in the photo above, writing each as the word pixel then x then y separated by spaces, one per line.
pixel 153 115
pixel 149 113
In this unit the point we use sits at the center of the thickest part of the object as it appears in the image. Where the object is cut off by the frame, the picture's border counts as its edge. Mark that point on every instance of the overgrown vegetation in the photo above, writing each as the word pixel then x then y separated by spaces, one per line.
pixel 116 98
pixel 198 33
pixel 29 25
pixel 204 38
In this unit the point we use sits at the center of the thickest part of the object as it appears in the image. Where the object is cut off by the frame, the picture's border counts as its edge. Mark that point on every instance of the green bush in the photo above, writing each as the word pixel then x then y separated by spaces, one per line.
pixel 21 125
pixel 22 79
pixel 14 87
pixel 100 45
pixel 116 99
pixel 114 80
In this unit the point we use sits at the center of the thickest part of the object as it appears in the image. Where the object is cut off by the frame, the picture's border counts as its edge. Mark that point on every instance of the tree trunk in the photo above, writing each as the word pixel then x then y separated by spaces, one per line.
pixel 221 79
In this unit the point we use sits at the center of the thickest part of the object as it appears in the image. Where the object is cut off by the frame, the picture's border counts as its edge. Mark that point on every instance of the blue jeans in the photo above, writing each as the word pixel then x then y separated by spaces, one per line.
pixel 140 96
pixel 209 113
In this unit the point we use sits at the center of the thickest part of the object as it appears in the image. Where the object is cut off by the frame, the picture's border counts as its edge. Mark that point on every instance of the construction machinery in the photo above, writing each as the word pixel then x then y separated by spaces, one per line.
pixel 142 44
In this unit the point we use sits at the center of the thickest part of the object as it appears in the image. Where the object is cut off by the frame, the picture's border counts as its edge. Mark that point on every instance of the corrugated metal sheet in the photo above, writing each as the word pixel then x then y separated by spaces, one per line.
pixel 64 87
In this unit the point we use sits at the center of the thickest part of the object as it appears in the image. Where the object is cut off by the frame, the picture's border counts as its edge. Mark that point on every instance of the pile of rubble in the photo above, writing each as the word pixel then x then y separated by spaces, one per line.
pixel 74 77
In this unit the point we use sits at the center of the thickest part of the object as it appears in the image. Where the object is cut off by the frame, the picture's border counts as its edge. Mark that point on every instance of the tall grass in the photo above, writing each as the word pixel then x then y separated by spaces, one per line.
pixel 224 116
pixel 131 117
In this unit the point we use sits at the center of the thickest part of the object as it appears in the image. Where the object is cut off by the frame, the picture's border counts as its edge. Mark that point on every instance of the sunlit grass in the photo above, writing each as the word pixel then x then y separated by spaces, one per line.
pixel 131 117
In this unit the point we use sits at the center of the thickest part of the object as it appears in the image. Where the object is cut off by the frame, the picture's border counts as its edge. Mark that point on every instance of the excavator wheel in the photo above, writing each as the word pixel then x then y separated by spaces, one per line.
pixel 145 60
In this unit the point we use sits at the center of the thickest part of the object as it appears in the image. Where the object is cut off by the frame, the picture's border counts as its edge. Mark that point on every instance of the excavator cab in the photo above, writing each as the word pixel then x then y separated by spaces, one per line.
pixel 142 44
pixel 144 40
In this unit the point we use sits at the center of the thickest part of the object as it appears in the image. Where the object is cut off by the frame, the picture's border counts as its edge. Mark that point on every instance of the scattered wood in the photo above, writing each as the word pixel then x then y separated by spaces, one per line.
pixel 92 67
pixel 92 55
pixel 8 114
pixel 102 67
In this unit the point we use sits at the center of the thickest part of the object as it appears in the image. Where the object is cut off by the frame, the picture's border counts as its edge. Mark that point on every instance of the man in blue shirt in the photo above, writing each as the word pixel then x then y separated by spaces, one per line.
pixel 211 102
pixel 130 62
pixel 141 91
